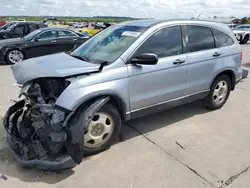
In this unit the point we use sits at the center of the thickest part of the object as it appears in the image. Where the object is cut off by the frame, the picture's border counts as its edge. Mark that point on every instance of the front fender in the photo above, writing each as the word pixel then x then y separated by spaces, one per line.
pixel 71 99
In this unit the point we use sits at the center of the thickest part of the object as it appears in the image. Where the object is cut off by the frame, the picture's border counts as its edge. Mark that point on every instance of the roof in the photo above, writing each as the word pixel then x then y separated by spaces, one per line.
pixel 54 28
pixel 152 22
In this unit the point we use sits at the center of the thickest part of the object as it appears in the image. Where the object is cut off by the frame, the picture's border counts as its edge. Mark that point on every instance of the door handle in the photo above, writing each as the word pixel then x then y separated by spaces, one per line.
pixel 74 39
pixel 53 41
pixel 216 54
pixel 178 62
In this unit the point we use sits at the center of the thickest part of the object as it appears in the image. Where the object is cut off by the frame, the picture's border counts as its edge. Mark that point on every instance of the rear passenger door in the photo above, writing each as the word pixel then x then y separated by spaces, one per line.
pixel 156 87
pixel 67 40
pixel 204 59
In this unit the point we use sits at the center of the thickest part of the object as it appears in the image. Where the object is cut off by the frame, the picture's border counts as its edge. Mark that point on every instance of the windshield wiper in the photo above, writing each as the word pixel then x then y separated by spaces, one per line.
pixel 84 58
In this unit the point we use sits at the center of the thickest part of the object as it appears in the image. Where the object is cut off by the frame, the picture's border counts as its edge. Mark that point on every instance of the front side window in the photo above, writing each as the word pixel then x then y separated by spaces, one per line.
pixel 19 29
pixel 164 43
pixel 47 35
pixel 66 34
pixel 199 38
pixel 109 44
pixel 222 39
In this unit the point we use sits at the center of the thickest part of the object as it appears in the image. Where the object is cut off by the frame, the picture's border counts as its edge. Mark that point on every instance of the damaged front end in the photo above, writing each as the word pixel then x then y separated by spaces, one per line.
pixel 36 129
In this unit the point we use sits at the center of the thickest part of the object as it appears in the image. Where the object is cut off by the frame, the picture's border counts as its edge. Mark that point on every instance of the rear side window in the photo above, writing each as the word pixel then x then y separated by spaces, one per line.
pixel 199 38
pixel 33 27
pixel 66 34
pixel 164 43
pixel 222 39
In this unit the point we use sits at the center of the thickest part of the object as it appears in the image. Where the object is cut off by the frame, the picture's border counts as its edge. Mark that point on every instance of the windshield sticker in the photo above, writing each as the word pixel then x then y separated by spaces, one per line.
pixel 131 33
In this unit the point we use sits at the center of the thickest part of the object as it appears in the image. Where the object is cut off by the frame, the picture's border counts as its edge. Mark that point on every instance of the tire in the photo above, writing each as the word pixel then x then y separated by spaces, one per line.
pixel 218 95
pixel 245 40
pixel 115 121
pixel 15 53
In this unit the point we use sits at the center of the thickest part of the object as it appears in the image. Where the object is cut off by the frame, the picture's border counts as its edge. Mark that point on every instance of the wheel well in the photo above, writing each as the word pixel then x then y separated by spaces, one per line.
pixel 114 100
pixel 231 75
pixel 5 55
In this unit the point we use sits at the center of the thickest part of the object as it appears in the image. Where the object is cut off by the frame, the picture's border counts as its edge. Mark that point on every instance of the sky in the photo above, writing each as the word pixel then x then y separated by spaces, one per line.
pixel 132 8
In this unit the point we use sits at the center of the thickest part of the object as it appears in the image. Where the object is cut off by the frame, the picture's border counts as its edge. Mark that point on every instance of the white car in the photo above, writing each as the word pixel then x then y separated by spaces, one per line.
pixel 242 33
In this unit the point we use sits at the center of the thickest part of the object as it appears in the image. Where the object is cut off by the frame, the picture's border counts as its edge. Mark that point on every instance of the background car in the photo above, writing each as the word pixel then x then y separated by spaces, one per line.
pixel 93 29
pixel 40 42
pixel 242 33
pixel 2 22
pixel 20 29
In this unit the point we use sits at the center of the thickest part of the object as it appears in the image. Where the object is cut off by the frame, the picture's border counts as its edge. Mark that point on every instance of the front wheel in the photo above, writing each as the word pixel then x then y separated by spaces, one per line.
pixel 219 93
pixel 14 56
pixel 245 40
pixel 102 130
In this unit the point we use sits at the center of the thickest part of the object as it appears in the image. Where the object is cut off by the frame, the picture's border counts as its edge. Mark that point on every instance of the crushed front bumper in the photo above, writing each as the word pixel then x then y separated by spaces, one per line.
pixel 63 162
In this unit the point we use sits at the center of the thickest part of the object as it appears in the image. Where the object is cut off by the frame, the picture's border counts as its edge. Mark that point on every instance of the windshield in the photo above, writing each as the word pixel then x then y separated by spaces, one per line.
pixel 32 35
pixel 10 27
pixel 109 44
pixel 242 27
pixel 7 25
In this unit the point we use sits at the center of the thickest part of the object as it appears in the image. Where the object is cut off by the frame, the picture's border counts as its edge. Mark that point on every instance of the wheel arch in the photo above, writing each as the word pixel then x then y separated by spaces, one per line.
pixel 230 73
pixel 9 49
pixel 114 99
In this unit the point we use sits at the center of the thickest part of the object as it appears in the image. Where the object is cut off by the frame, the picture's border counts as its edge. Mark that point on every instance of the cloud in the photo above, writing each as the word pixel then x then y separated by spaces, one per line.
pixel 133 8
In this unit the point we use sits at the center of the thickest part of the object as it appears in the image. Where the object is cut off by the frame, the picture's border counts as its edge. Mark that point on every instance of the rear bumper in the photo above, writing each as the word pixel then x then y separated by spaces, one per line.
pixel 63 162
pixel 244 75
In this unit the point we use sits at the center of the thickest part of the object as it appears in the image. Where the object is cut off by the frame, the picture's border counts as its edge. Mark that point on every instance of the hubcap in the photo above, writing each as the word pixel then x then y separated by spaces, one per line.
pixel 99 130
pixel 15 56
pixel 220 92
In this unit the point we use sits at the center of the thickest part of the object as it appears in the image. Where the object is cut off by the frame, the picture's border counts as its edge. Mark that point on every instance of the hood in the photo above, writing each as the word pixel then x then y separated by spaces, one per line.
pixel 2 32
pixel 56 65
pixel 12 41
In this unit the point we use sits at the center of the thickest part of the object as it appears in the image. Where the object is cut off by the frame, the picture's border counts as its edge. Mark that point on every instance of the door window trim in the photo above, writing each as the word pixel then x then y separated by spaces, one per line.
pixel 158 29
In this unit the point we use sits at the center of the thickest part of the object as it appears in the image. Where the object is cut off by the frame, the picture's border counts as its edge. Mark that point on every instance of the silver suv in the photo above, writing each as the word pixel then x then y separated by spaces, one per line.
pixel 74 103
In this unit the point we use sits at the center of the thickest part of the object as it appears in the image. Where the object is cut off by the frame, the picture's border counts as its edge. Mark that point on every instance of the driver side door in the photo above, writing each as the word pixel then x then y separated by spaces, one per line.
pixel 17 31
pixel 153 88
pixel 44 44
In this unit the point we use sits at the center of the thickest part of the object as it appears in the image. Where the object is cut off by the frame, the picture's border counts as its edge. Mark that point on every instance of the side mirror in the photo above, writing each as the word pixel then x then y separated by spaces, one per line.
pixel 36 39
pixel 145 59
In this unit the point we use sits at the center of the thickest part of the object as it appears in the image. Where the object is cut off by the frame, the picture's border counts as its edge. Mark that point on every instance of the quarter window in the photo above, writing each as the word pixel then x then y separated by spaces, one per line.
pixel 199 38
pixel 164 43
pixel 222 39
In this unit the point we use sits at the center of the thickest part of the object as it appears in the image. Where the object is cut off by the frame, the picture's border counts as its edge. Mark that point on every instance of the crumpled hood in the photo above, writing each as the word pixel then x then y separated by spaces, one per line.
pixel 56 65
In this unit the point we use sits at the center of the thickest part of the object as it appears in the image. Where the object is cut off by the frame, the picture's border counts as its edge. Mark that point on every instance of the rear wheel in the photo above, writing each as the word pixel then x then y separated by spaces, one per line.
pixel 14 56
pixel 219 93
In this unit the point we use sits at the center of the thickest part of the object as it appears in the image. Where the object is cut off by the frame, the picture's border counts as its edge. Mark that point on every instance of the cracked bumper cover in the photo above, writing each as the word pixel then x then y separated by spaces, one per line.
pixel 64 162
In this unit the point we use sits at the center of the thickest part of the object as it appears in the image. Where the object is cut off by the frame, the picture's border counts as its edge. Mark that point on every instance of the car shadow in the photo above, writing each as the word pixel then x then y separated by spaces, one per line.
pixel 131 129
pixel 150 123
pixel 246 65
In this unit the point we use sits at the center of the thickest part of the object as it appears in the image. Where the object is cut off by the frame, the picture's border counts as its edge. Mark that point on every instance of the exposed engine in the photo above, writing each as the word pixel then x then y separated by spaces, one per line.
pixel 41 134
pixel 36 126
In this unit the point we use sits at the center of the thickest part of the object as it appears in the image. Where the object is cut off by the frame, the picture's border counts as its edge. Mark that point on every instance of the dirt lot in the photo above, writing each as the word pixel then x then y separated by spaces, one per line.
pixel 187 147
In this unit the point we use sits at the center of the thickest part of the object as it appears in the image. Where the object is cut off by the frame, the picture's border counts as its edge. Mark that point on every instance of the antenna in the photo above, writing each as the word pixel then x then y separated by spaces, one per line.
pixel 198 16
